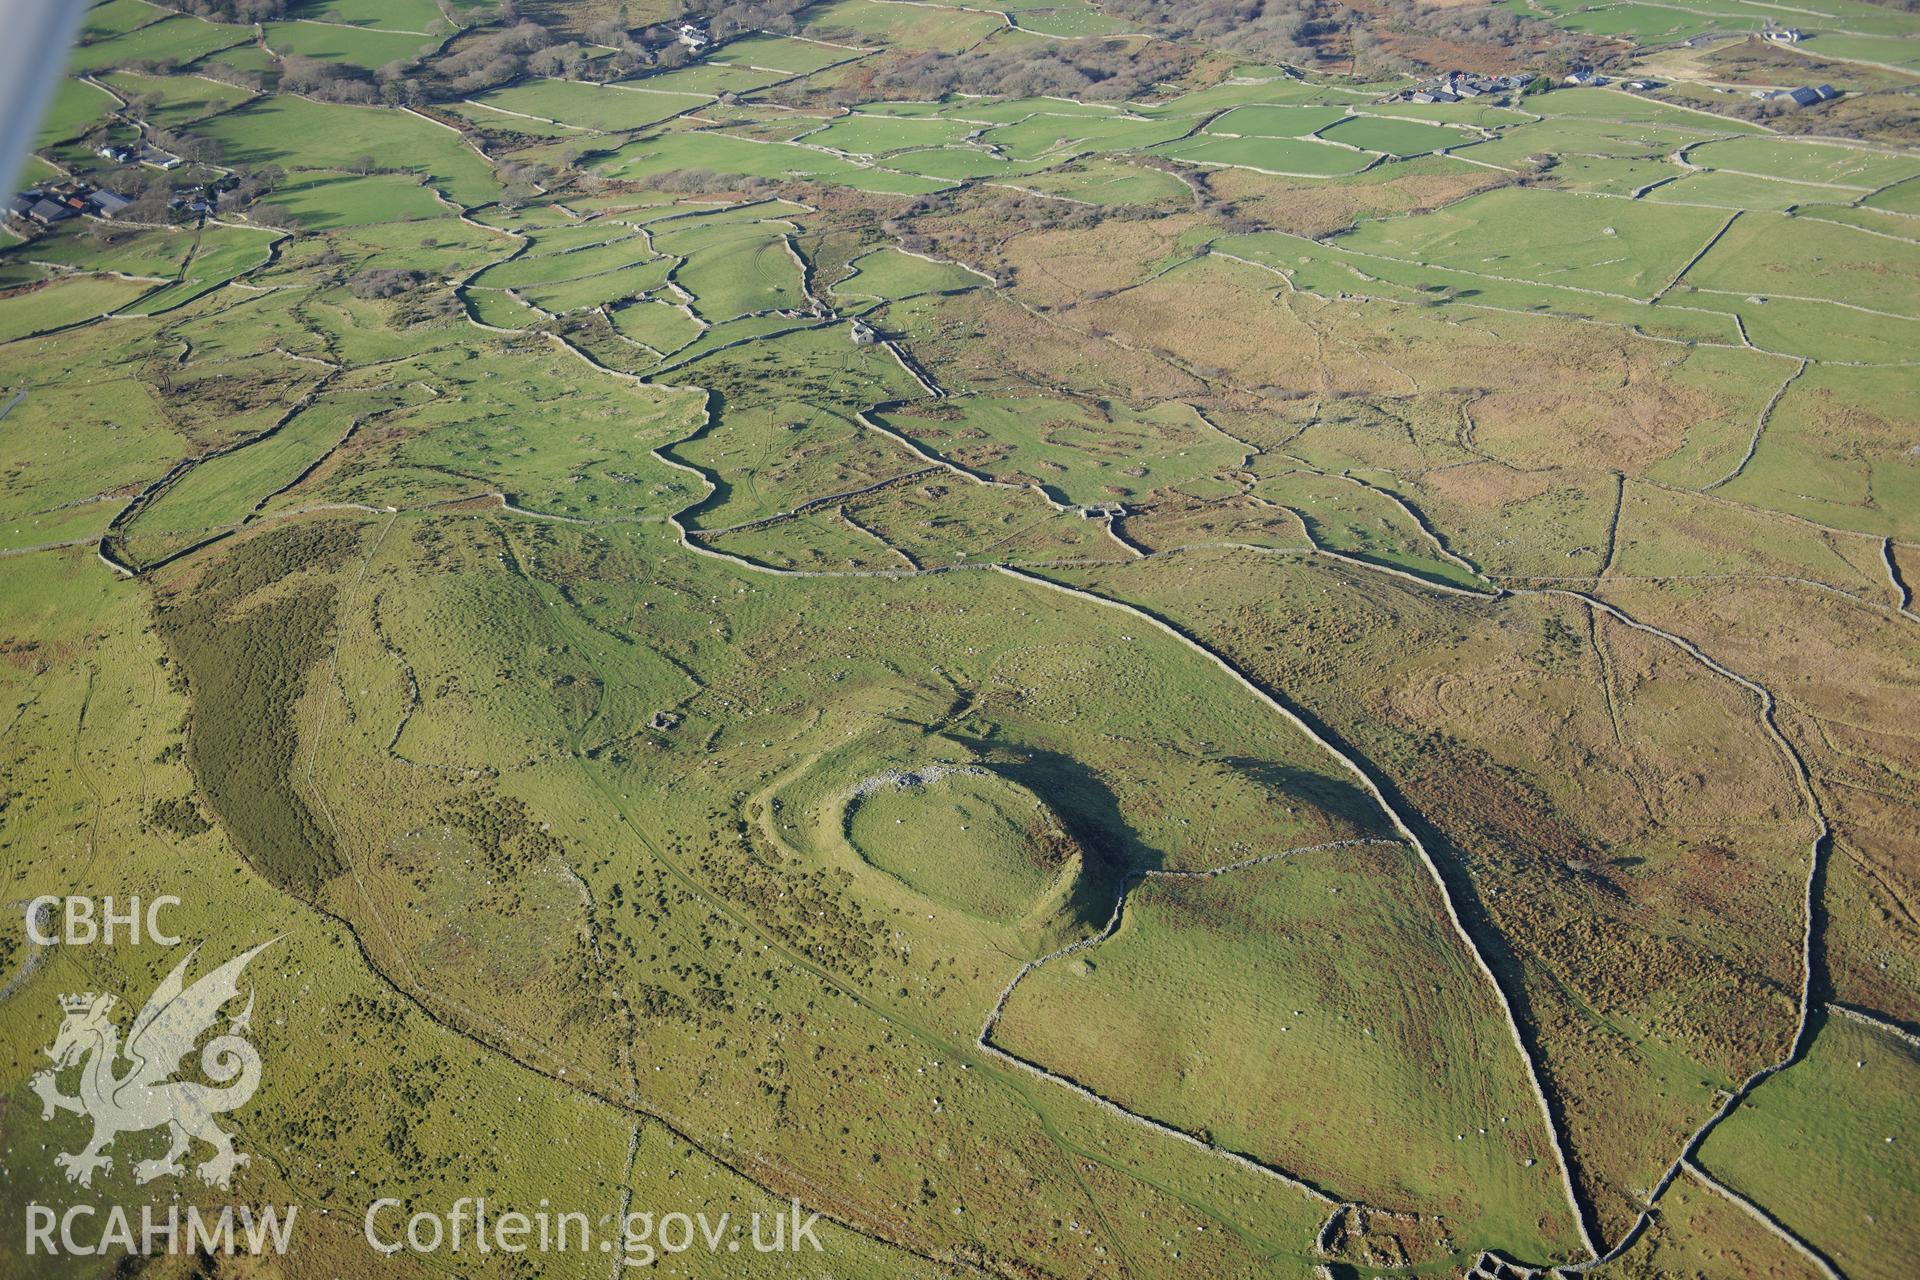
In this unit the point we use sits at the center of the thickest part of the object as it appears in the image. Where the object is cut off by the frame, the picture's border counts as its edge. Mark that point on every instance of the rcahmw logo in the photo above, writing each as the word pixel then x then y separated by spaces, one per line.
pixel 88 1231
pixel 145 1096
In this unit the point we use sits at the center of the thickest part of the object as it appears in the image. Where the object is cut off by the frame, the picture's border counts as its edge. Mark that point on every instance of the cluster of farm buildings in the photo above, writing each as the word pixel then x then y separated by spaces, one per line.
pixel 50 204
pixel 140 153
pixel 1460 86
pixel 1801 97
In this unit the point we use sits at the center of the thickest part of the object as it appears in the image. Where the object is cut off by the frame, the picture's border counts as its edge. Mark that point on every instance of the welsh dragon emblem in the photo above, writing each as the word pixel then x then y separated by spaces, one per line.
pixel 144 1096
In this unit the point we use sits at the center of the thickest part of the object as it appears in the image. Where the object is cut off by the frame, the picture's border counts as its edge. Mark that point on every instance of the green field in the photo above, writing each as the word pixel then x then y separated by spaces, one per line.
pixel 220 254
pixel 75 107
pixel 1395 137
pixel 1069 20
pixel 1080 452
pixel 880 135
pixel 57 436
pixel 600 287
pixel 1830 1132
pixel 889 275
pixel 953 163
pixel 349 45
pixel 1874 50
pixel 1271 155
pixel 1824 261
pixel 1334 960
pixel 132 250
pixel 1902 197
pixel 325 201
pixel 1059 136
pixel 1857 168
pixel 613 109
pixel 173 39
pixel 117 17
pixel 493 120
pixel 182 99
pixel 217 495
pixel 298 133
pixel 1548 238
pixel 1103 182
pixel 660 325
pixel 1276 122
pixel 1739 191
pixel 1013 855
pixel 1643 23
pixel 1010 110
pixel 930 28
pixel 1627 108
pixel 1352 519
pixel 566 263
pixel 721 153
pixel 732 269
pixel 401 15
pixel 706 78
pixel 784 54
pixel 64 302
pixel 1583 138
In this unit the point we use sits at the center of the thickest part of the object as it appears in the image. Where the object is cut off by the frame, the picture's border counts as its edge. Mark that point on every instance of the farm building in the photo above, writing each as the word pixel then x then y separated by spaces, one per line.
pixel 47 212
pixel 1455 86
pixel 1804 96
